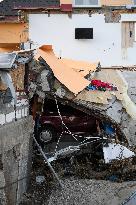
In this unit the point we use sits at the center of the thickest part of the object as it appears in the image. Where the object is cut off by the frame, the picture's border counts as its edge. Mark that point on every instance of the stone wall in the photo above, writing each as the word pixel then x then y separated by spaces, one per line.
pixel 15 160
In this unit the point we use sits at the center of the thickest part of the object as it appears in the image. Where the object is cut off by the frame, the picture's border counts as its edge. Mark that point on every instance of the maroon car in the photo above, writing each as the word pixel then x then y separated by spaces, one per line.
pixel 76 121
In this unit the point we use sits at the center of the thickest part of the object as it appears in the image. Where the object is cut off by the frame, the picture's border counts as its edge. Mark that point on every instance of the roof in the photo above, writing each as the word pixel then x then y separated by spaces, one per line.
pixel 7 6
pixel 72 79
pixel 81 67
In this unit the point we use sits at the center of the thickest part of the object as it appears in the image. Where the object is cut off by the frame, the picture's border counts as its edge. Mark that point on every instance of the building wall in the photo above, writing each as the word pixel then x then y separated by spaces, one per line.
pixel 66 1
pixel 15 160
pixel 59 31
pixel 116 3
pixel 11 33
pixel 105 2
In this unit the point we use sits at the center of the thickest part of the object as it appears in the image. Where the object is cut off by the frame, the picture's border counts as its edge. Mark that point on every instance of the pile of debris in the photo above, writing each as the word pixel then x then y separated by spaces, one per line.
pixel 67 81
pixel 14 71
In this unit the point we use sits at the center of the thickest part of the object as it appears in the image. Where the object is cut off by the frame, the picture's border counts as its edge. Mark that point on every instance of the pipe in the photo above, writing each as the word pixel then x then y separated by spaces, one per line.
pixel 46 159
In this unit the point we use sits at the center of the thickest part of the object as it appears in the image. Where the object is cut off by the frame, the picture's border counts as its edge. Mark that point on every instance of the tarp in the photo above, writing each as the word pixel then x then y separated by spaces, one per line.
pixel 72 79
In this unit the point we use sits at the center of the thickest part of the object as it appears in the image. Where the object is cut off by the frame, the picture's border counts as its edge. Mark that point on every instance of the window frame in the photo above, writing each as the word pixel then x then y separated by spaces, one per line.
pixel 86 6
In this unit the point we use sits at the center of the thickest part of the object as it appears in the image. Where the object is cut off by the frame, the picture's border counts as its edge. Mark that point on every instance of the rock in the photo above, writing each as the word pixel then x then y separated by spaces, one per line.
pixel 40 179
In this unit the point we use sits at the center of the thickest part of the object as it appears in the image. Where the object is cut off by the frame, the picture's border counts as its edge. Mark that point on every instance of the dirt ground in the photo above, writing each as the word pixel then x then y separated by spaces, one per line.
pixel 84 181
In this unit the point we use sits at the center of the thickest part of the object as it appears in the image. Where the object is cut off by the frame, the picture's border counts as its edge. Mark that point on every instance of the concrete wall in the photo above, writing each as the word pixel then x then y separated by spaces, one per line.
pixel 59 30
pixel 15 160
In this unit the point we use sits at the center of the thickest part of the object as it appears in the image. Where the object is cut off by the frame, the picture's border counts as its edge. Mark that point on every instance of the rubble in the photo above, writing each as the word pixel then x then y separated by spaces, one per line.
pixel 13 85
pixel 40 179
pixel 96 183
pixel 116 151
pixel 115 107
pixel 109 106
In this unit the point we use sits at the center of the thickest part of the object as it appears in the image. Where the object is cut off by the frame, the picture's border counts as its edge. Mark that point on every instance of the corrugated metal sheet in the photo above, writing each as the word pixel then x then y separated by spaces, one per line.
pixel 7 60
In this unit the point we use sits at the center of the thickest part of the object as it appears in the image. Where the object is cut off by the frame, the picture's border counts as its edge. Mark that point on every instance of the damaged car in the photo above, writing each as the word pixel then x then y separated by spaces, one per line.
pixel 51 123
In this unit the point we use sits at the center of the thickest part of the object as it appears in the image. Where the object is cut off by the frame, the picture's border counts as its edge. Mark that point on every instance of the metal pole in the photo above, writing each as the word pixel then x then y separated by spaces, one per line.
pixel 51 168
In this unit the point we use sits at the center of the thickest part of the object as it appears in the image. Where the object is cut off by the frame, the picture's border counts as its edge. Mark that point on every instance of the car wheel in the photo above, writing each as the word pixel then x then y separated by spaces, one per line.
pixel 46 135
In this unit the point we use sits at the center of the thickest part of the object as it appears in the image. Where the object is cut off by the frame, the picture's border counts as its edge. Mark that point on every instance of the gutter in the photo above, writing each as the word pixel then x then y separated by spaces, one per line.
pixel 37 8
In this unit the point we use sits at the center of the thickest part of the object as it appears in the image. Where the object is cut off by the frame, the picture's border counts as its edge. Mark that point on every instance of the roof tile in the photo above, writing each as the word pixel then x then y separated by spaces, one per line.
pixel 7 6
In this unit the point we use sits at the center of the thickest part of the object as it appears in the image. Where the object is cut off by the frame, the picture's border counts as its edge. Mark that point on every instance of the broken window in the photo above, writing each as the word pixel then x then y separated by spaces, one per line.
pixel 86 3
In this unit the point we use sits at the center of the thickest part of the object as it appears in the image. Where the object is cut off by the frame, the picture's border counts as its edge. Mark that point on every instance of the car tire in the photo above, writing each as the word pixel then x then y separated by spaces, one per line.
pixel 47 135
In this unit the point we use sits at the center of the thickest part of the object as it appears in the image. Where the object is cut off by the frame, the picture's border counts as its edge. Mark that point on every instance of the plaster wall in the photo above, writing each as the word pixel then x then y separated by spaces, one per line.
pixel 117 2
pixel 13 32
pixel 59 31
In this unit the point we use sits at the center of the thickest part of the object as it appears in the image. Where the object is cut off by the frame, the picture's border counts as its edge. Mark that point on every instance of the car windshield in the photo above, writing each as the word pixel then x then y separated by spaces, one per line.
pixel 50 107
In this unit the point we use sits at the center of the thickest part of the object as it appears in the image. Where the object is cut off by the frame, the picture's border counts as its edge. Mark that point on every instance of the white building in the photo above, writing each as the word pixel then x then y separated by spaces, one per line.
pixel 112 29
pixel 105 46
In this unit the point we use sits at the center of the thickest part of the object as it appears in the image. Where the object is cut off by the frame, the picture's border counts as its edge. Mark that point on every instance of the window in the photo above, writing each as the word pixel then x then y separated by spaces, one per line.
pixel 84 33
pixel 86 3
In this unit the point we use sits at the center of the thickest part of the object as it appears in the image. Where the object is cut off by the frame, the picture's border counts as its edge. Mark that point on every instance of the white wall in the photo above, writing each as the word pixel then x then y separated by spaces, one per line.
pixel 59 30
